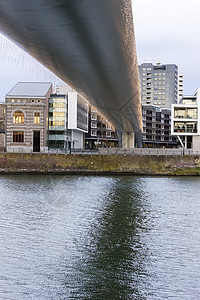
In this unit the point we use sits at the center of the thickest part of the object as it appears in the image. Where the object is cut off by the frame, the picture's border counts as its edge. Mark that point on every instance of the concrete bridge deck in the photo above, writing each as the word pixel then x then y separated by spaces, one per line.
pixel 90 45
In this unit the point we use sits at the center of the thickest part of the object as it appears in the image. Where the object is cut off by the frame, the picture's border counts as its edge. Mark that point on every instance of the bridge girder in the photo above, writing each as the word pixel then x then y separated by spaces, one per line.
pixel 89 44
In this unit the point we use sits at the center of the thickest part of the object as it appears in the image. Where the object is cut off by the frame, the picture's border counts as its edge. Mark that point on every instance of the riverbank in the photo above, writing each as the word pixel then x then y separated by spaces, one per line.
pixel 99 164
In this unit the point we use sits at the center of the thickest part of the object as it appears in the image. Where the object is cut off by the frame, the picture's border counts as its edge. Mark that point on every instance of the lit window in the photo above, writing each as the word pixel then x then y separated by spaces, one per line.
pixel 18 136
pixel 18 117
pixel 36 118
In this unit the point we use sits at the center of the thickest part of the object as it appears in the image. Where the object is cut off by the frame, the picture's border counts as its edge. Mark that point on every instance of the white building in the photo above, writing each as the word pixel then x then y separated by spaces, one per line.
pixel 180 87
pixel 186 120
pixel 68 119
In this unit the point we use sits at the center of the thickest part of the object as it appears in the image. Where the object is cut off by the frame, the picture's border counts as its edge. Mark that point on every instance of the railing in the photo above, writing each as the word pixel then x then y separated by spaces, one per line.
pixel 148 151
pixel 116 151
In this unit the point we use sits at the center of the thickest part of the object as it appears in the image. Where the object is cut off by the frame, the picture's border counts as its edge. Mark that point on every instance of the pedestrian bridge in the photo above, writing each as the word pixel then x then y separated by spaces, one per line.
pixel 90 45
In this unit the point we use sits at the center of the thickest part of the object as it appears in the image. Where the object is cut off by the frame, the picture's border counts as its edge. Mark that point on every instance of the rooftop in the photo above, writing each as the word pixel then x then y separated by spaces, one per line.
pixel 29 89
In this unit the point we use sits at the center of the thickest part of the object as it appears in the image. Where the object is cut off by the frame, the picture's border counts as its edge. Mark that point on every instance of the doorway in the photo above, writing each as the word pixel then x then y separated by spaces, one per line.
pixel 36 141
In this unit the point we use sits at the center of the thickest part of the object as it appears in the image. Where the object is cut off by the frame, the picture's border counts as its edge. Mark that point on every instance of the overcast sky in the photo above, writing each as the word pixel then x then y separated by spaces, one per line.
pixel 166 31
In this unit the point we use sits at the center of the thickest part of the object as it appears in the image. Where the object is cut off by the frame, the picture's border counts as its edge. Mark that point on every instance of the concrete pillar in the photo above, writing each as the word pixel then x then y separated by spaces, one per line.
pixel 196 143
pixel 128 140
pixel 119 136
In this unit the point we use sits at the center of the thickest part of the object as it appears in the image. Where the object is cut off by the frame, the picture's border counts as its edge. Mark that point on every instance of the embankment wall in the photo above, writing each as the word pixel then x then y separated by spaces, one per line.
pixel 99 164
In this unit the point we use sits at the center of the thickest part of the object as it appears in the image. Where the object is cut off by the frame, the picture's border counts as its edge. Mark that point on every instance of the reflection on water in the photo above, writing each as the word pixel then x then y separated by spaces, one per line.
pixel 113 257
pixel 71 237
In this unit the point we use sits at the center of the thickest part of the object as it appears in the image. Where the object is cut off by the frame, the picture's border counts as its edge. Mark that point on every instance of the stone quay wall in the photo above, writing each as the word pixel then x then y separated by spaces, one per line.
pixel 16 163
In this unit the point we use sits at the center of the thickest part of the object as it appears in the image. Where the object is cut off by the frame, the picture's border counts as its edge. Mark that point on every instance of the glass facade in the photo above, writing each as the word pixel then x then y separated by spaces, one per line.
pixel 58 135
pixel 182 112
pixel 188 127
pixel 82 113
pixel 189 101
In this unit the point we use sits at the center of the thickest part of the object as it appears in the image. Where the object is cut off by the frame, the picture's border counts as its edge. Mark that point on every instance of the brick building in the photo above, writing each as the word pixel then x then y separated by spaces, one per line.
pixel 2 126
pixel 26 116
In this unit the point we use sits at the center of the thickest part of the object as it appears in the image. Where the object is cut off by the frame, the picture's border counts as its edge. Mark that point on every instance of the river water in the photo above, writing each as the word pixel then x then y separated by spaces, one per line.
pixel 76 237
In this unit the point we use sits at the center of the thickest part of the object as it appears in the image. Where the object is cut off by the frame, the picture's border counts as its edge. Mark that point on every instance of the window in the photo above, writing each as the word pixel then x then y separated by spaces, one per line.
pixel 58 114
pixel 93 109
pixel 18 136
pixel 93 132
pixel 57 123
pixel 36 118
pixel 57 105
pixel 93 124
pixel 108 133
pixel 108 126
pixel 18 117
pixel 94 117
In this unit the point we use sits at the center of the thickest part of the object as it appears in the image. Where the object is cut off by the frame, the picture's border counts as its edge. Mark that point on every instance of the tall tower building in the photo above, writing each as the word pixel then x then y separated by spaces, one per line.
pixel 180 87
pixel 159 84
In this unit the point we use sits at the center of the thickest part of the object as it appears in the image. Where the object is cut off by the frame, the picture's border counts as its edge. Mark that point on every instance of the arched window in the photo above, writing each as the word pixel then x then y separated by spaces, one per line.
pixel 18 117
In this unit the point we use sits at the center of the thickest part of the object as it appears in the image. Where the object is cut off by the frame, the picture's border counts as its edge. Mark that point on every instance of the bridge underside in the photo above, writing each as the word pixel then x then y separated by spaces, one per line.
pixel 89 44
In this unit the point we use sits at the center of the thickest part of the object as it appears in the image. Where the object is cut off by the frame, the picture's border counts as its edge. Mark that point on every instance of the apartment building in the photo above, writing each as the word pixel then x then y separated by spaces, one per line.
pixel 101 133
pixel 157 128
pixel 159 84
pixel 186 121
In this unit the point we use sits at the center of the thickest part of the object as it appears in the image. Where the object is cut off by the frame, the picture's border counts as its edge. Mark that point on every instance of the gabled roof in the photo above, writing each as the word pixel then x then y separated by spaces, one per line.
pixel 29 89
